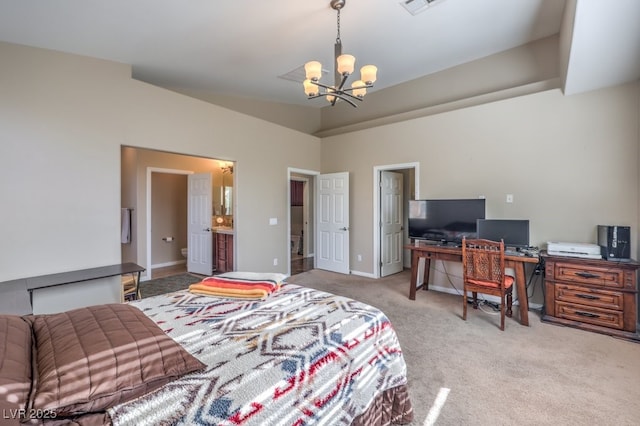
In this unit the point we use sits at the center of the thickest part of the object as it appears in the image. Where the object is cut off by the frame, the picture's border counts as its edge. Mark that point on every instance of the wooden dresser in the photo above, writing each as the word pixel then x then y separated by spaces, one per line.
pixel 593 295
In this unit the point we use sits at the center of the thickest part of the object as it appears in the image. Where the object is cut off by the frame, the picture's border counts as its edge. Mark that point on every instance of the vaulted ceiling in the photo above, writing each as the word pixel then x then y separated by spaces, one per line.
pixel 241 53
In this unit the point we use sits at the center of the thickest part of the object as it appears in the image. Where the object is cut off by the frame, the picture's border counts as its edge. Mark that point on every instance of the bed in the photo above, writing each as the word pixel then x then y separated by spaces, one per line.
pixel 296 357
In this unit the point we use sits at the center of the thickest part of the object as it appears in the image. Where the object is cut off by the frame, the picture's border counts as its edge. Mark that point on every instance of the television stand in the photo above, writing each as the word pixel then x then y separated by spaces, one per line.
pixel 449 244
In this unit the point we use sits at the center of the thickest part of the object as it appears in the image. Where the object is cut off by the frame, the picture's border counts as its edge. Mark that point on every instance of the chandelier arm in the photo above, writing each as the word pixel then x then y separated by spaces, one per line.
pixel 316 96
pixel 344 98
pixel 336 96
pixel 351 89
pixel 317 83
pixel 348 89
pixel 343 94
pixel 342 82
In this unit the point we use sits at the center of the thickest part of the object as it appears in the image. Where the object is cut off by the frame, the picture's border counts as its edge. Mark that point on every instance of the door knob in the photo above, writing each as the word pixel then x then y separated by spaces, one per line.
pixel 344 229
pixel 207 229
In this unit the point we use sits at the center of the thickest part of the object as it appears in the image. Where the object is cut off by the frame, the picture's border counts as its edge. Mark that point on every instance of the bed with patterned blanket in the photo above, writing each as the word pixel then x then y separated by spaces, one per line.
pixel 298 356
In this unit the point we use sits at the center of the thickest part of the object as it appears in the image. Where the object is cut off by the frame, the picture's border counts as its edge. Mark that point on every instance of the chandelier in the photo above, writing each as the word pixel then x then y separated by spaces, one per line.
pixel 344 66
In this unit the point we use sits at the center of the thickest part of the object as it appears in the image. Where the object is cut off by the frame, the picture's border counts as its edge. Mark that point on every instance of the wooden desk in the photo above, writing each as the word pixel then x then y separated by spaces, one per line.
pixel 437 252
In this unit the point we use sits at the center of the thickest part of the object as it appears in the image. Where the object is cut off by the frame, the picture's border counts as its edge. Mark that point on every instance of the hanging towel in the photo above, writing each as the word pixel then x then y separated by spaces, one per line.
pixel 125 221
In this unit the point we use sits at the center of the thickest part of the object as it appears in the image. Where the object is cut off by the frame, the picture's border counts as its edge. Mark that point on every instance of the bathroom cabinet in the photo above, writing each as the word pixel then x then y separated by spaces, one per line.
pixel 223 252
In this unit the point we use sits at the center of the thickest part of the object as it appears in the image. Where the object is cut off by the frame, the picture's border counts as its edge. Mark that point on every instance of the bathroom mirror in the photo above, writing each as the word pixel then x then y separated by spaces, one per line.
pixel 226 192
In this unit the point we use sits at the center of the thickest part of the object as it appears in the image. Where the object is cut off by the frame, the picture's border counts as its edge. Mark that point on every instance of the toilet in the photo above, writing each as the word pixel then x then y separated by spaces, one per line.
pixel 185 252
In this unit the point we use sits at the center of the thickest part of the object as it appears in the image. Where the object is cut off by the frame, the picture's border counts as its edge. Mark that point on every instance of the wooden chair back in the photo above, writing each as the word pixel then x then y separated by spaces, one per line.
pixel 483 272
pixel 483 260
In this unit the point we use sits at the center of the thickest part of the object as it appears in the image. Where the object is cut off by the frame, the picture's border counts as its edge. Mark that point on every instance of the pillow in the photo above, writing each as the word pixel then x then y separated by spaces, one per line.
pixel 15 365
pixel 93 358
pixel 255 276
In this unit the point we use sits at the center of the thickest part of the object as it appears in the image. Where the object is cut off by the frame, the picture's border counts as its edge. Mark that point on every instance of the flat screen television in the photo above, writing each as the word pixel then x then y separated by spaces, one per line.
pixel 514 232
pixel 445 220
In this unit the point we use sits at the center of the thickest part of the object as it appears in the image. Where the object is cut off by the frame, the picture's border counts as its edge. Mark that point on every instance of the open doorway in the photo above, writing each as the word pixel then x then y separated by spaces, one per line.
pixel 390 215
pixel 301 220
pixel 139 169
pixel 167 221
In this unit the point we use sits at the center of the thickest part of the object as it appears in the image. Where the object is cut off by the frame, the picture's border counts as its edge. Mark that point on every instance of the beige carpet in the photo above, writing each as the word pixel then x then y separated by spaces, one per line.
pixel 539 375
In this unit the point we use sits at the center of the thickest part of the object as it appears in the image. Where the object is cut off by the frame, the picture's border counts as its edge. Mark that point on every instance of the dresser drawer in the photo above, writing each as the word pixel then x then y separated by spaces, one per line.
pixel 608 277
pixel 590 315
pixel 606 299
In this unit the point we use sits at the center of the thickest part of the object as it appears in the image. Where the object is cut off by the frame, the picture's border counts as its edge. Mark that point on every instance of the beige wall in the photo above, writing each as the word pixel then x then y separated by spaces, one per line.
pixel 63 120
pixel 571 163
pixel 299 117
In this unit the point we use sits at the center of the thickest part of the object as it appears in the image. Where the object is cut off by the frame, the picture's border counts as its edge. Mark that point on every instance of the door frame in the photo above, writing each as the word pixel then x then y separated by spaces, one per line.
pixel 312 193
pixel 151 170
pixel 377 204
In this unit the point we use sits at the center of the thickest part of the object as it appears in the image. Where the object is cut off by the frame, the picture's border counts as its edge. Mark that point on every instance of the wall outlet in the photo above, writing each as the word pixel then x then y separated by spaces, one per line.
pixel 359 258
pixel 275 261
pixel 509 198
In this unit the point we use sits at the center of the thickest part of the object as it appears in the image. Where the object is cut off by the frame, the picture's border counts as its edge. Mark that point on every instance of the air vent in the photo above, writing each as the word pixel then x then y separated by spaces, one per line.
pixel 298 74
pixel 418 6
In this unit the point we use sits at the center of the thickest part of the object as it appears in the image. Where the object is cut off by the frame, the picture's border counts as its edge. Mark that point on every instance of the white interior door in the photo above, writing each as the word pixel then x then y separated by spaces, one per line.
pixel 391 216
pixel 200 238
pixel 333 222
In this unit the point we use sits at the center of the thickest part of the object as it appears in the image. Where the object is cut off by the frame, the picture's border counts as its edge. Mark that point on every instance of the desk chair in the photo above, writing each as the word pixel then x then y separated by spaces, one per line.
pixel 483 272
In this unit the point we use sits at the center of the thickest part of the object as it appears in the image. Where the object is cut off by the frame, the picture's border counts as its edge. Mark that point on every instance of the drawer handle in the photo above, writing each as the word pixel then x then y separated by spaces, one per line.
pixel 587 296
pixel 587 275
pixel 587 314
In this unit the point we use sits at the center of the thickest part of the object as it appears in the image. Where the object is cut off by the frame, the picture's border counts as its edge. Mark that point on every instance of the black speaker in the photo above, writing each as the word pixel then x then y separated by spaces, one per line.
pixel 615 242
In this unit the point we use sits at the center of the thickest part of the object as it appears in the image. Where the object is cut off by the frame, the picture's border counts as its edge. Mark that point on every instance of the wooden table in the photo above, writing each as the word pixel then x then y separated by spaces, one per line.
pixel 454 254
pixel 16 295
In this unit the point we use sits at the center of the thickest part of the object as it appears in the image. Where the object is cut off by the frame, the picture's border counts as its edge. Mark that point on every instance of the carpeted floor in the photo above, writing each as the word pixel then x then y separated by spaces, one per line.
pixel 543 374
pixel 168 284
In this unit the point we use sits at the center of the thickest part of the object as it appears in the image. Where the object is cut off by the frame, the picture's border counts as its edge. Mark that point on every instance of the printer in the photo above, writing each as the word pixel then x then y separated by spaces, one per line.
pixel 583 250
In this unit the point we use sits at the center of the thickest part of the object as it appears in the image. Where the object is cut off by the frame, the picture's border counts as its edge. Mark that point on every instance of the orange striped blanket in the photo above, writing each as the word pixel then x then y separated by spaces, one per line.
pixel 235 287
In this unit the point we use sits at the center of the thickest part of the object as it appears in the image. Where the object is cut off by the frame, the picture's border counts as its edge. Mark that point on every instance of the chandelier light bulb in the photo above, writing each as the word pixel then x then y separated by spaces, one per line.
pixel 346 64
pixel 310 89
pixel 359 88
pixel 313 70
pixel 368 73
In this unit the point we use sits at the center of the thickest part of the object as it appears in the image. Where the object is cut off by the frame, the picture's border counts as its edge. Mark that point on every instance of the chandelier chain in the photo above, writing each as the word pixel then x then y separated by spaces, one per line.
pixel 338 36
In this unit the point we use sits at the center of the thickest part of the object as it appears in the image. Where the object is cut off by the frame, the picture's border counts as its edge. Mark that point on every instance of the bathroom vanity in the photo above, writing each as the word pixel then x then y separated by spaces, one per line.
pixel 223 249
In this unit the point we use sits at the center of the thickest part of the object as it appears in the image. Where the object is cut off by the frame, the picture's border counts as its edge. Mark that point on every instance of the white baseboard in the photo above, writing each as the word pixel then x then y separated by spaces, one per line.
pixel 362 274
pixel 172 263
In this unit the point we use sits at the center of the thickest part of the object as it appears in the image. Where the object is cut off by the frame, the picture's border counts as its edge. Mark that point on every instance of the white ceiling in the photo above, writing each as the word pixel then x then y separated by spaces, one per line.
pixel 240 47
